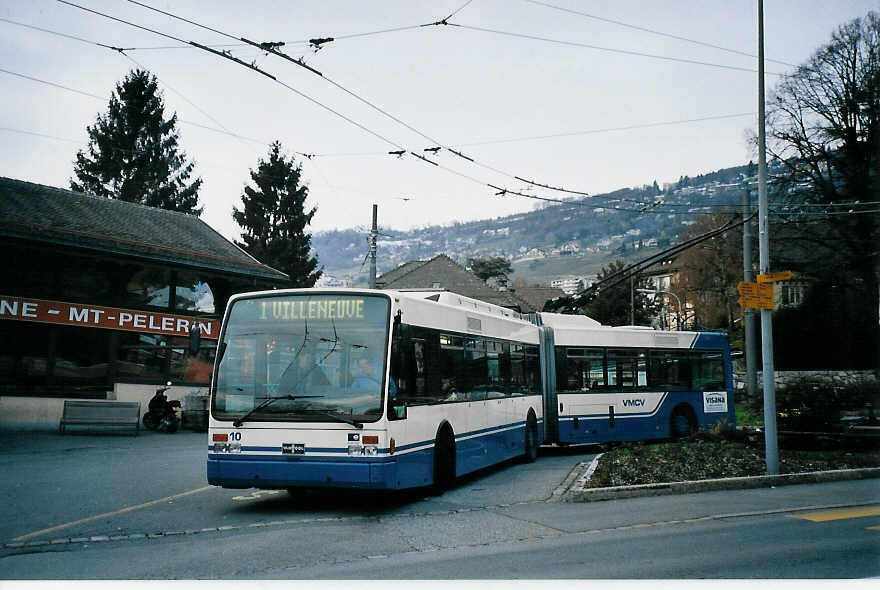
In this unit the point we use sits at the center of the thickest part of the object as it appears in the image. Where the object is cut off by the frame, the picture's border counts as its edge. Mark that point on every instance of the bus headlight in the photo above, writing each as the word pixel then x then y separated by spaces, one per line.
pixel 371 450
pixel 355 450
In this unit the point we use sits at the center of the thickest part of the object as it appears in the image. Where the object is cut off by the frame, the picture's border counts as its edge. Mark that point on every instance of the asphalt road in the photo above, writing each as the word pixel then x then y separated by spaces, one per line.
pixel 116 507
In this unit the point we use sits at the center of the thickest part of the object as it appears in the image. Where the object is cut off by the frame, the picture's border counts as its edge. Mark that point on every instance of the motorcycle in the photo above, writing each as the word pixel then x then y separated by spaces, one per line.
pixel 162 414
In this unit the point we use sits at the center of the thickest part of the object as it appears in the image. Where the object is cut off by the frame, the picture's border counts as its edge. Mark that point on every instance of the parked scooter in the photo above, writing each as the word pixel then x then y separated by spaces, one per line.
pixel 162 414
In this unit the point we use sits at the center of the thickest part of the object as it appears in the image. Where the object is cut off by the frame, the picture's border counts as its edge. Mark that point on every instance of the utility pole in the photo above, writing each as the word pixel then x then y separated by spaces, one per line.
pixel 373 233
pixel 771 449
pixel 749 313
pixel 632 302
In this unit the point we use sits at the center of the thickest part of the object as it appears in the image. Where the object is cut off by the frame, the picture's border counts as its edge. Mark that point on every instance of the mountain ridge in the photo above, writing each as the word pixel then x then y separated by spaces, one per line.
pixel 573 238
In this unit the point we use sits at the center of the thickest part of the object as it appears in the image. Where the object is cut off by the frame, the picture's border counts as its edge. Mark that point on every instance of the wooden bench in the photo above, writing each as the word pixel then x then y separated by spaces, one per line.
pixel 101 414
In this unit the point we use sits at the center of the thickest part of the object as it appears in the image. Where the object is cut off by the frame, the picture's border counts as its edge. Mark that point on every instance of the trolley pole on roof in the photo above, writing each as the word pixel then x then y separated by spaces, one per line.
pixel 373 233
pixel 770 442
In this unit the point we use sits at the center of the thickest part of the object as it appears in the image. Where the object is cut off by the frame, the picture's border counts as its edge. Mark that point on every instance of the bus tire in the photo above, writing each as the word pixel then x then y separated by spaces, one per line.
pixel 530 447
pixel 682 422
pixel 444 459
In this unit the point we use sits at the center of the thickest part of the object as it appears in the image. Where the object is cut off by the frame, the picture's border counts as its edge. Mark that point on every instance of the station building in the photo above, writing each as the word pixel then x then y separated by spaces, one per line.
pixel 97 297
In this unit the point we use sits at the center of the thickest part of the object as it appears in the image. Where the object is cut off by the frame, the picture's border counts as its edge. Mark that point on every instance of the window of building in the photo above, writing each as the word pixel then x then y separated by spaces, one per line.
pixel 149 287
pixel 192 294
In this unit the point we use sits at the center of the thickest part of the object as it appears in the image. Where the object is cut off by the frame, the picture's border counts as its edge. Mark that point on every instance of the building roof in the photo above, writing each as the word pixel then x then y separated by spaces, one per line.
pixel 444 273
pixel 46 214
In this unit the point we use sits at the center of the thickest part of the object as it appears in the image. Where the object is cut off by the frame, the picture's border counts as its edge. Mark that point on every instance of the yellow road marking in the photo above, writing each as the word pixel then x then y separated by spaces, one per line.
pixel 839 514
pixel 109 514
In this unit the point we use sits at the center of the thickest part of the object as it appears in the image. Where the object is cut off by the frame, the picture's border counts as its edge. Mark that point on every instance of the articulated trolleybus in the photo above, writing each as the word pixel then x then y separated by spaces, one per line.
pixel 398 389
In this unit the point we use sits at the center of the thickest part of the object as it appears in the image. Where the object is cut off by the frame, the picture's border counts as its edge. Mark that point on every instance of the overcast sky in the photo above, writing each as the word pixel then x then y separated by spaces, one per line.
pixel 493 89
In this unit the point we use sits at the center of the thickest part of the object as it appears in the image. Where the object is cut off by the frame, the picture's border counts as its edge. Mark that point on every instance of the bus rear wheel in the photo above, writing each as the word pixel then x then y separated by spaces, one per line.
pixel 531 440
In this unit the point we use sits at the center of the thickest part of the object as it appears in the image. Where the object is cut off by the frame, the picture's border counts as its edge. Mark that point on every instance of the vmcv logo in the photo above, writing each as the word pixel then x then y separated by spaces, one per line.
pixel 633 403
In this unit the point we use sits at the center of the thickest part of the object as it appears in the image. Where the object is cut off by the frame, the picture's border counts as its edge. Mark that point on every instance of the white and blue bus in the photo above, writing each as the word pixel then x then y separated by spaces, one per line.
pixel 399 389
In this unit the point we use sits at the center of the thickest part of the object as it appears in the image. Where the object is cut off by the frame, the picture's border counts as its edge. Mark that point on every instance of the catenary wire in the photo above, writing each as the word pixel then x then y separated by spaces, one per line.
pixel 653 32
pixel 502 191
pixel 269 48
pixel 608 49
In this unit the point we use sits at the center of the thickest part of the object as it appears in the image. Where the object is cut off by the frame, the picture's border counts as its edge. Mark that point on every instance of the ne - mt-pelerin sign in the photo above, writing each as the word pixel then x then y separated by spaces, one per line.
pixel 98 316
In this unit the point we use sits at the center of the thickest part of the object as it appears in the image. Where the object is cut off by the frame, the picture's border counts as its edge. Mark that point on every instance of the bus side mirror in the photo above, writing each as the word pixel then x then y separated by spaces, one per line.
pixel 195 339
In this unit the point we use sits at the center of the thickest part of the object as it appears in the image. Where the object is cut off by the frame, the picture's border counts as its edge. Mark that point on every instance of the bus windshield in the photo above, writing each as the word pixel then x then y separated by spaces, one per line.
pixel 303 358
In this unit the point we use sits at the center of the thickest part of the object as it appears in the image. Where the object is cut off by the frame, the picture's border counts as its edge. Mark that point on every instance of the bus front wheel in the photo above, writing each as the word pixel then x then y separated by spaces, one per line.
pixel 683 422
pixel 444 459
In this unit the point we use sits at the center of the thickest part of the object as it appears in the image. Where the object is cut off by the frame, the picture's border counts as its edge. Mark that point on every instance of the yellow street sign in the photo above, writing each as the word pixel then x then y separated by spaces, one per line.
pixel 770 277
pixel 756 302
pixel 755 290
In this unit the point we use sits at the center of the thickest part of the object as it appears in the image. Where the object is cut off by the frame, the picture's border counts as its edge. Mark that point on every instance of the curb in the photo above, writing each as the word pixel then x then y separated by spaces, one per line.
pixel 580 494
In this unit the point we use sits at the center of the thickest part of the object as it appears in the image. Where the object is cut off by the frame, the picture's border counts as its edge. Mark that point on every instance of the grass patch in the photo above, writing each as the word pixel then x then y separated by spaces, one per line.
pixel 710 458
pixel 745 416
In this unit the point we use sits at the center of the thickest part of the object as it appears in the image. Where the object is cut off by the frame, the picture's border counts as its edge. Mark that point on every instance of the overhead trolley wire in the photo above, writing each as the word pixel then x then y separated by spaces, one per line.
pixel 227 55
pixel 272 49
pixel 605 130
pixel 653 32
pixel 607 49
pixel 633 269
pixel 56 85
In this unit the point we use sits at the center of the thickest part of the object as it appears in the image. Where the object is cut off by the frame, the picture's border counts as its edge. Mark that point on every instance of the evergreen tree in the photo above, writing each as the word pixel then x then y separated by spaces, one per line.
pixel 496 267
pixel 133 152
pixel 274 219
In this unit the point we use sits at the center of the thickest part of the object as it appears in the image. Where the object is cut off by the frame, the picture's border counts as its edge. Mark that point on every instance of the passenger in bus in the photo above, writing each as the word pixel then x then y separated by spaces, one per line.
pixel 366 376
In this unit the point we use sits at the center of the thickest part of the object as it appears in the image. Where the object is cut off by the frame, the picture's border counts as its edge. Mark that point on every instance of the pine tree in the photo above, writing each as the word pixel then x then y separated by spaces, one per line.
pixel 133 152
pixel 274 219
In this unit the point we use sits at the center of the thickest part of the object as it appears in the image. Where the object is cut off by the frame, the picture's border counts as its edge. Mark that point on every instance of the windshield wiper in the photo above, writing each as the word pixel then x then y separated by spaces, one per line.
pixel 266 402
pixel 338 417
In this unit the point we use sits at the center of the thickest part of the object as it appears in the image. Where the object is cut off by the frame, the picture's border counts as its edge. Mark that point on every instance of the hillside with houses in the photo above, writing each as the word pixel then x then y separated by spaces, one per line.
pixel 556 244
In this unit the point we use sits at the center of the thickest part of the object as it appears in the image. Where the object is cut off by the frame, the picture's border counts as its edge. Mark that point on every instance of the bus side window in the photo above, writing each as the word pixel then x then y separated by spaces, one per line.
pixel 418 366
pixel 517 370
pixel 670 369
pixel 707 371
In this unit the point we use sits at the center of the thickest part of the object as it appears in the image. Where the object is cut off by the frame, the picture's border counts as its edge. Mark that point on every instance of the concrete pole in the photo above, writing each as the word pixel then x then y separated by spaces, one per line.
pixel 632 301
pixel 373 233
pixel 771 449
pixel 751 343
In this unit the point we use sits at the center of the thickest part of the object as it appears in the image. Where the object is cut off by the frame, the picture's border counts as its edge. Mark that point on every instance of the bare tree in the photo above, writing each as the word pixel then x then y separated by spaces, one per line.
pixel 824 134
pixel 710 271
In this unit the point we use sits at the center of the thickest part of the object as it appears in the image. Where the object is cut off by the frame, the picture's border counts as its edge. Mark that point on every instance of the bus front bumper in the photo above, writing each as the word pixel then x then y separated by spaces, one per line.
pixel 283 472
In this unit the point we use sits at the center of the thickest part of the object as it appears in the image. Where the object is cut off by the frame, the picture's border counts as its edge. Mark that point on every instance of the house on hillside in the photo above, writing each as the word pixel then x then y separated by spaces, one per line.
pixel 443 273
pixel 665 277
